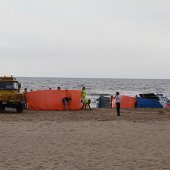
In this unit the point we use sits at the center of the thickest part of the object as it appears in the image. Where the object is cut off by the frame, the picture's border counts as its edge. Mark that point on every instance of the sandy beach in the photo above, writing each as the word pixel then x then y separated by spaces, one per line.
pixel 85 140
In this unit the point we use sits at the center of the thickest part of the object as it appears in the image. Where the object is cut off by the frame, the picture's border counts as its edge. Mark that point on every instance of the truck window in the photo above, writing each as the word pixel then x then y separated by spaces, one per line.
pixel 8 85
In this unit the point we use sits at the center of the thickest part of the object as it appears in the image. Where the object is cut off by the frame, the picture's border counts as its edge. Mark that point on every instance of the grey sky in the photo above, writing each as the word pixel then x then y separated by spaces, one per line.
pixel 85 38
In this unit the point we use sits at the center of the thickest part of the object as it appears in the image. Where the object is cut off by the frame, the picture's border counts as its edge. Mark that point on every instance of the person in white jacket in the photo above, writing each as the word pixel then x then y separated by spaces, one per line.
pixel 117 97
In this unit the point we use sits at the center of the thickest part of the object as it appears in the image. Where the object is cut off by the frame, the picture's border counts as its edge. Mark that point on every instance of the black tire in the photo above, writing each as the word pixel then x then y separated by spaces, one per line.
pixel 19 108
pixel 2 107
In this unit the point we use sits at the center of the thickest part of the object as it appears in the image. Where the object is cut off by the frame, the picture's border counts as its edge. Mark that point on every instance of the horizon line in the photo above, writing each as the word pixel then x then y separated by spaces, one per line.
pixel 92 77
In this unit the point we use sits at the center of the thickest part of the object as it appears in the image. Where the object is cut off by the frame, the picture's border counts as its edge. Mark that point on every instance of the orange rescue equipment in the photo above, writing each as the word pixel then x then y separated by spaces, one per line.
pixel 125 102
pixel 53 99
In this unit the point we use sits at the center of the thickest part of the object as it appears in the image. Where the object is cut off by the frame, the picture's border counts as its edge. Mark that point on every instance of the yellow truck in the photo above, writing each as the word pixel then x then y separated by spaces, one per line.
pixel 10 94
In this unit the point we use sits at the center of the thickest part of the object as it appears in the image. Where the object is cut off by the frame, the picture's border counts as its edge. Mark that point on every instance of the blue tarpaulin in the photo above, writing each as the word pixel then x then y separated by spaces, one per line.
pixel 148 103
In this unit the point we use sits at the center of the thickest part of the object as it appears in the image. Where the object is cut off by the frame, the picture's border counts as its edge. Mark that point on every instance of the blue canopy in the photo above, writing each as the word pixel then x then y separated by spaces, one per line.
pixel 148 103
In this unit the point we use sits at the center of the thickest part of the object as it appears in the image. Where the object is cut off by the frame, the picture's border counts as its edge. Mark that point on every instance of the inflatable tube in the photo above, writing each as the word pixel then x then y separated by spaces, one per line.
pixel 148 103
pixel 125 102
pixel 53 99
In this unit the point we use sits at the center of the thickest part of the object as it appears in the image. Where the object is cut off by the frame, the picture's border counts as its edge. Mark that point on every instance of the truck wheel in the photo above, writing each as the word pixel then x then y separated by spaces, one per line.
pixel 2 107
pixel 19 108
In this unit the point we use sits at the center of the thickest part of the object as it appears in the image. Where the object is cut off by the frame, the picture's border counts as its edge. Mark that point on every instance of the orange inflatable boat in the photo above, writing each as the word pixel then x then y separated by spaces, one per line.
pixel 125 102
pixel 53 99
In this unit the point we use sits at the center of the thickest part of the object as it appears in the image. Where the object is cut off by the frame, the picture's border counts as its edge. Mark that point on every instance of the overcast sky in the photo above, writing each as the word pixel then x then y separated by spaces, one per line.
pixel 85 38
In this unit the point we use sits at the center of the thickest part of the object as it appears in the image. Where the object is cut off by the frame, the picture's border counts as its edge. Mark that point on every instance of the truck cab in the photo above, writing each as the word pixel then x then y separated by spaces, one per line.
pixel 10 94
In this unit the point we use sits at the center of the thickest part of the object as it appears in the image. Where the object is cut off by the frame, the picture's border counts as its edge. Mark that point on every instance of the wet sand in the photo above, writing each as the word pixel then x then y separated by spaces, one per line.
pixel 85 140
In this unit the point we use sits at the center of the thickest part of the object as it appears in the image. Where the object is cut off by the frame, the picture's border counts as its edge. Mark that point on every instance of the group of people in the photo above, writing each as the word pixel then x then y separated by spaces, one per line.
pixel 85 101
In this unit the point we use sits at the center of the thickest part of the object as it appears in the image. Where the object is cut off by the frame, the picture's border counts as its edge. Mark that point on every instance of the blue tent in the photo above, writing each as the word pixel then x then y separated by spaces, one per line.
pixel 148 103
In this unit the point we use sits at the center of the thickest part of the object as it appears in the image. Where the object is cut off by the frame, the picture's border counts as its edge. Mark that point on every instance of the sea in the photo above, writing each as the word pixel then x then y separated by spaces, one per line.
pixel 97 87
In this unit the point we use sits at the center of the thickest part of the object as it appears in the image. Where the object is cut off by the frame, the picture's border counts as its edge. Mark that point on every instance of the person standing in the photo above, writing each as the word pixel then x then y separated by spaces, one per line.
pixel 66 102
pixel 117 97
pixel 97 103
pixel 87 103
pixel 84 95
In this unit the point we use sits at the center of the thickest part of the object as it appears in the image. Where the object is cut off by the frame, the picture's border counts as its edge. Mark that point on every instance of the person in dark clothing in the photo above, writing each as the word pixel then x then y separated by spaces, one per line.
pixel 117 97
pixel 66 102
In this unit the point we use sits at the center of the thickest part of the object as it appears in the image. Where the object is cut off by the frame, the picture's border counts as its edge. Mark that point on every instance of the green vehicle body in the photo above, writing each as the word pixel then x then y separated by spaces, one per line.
pixel 10 94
